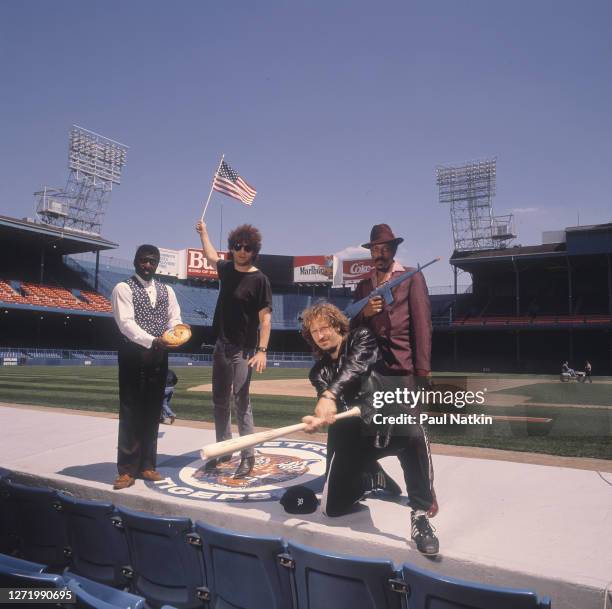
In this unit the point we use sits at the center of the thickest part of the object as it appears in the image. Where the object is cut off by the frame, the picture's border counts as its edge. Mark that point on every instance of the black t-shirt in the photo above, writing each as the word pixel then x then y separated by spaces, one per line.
pixel 241 297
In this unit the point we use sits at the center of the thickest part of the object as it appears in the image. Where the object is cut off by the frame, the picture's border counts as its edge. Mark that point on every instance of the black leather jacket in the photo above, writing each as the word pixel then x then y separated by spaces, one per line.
pixel 345 377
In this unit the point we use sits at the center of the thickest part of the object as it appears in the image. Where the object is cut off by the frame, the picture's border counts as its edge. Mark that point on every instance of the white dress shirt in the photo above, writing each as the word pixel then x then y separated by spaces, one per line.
pixel 123 311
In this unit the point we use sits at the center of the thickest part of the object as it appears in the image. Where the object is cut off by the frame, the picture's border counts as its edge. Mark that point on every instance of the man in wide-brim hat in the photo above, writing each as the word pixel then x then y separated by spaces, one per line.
pixel 382 233
pixel 403 333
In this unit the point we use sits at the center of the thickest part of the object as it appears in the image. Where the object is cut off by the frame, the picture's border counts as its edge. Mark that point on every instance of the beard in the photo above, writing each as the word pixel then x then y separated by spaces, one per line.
pixel 147 276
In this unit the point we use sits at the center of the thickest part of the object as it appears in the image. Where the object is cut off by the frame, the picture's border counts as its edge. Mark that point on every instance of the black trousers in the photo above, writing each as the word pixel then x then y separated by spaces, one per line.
pixel 351 453
pixel 142 380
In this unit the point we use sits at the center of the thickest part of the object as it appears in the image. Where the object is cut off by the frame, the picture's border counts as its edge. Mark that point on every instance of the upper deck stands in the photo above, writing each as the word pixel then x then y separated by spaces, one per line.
pixel 27 293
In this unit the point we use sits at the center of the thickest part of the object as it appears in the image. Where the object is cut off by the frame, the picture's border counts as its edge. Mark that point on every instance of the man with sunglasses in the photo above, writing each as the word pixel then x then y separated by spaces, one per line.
pixel 403 334
pixel 242 325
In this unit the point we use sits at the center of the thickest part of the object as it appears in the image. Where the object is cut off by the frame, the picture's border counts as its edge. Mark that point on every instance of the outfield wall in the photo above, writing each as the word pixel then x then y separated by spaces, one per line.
pixel 174 363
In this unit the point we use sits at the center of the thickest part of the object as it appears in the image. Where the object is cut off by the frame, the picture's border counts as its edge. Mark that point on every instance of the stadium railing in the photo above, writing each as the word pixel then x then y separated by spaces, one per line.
pixel 11 352
pixel 34 352
pixel 537 320
pixel 446 290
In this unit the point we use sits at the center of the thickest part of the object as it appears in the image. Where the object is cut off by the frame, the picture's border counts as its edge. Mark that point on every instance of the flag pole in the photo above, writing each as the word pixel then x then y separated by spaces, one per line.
pixel 211 187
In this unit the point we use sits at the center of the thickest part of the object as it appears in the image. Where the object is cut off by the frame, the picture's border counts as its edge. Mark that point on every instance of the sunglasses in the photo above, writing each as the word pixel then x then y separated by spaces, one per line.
pixel 242 246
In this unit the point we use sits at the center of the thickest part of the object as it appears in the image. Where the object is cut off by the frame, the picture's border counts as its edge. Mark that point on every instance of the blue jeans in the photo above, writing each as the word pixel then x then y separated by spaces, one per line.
pixel 232 375
pixel 167 412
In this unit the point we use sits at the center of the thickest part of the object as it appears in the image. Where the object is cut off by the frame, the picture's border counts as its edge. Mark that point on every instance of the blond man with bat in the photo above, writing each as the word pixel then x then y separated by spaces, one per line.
pixel 341 377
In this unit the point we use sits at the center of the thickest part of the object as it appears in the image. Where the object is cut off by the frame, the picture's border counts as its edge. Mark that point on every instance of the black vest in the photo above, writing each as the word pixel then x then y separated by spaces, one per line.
pixel 153 320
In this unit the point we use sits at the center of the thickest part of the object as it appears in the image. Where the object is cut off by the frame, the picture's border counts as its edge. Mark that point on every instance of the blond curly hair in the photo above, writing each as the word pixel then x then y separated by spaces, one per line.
pixel 331 314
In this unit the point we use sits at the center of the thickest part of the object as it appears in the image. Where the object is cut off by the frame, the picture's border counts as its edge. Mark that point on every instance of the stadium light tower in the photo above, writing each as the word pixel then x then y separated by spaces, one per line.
pixel 95 163
pixel 469 189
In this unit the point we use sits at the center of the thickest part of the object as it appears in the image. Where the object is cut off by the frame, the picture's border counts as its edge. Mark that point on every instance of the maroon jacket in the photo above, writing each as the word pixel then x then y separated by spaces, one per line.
pixel 403 328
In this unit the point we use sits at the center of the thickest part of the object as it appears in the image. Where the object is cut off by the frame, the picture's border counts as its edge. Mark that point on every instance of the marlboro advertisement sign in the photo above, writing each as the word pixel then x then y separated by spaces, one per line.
pixel 353 271
pixel 198 266
pixel 313 269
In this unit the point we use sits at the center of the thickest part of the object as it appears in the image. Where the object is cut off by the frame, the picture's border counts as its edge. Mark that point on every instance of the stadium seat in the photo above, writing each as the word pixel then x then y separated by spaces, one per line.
pixel 9 566
pixel 264 583
pixel 426 590
pixel 40 527
pixel 17 573
pixel 167 568
pixel 93 595
pixel 326 581
pixel 8 294
pixel 8 520
pixel 98 549
pixel 95 302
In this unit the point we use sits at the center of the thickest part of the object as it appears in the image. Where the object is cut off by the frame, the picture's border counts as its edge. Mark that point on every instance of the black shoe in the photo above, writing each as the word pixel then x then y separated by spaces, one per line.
pixel 211 464
pixel 423 535
pixel 245 467
pixel 379 480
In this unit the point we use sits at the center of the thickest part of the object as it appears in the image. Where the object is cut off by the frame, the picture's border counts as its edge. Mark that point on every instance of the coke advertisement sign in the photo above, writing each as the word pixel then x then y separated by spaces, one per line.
pixel 198 265
pixel 353 271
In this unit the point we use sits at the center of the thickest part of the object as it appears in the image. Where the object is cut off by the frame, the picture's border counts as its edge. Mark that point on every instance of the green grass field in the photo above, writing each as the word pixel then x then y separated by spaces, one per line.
pixel 578 432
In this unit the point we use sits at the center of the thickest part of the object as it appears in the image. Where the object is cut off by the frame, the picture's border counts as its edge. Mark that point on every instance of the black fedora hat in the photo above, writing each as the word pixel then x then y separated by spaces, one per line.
pixel 382 233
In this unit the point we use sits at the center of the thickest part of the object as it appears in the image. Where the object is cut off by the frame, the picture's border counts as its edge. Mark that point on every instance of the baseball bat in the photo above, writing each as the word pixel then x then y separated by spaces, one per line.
pixel 228 447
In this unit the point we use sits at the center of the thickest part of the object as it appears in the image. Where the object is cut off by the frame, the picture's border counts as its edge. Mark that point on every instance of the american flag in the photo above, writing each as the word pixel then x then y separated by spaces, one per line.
pixel 228 182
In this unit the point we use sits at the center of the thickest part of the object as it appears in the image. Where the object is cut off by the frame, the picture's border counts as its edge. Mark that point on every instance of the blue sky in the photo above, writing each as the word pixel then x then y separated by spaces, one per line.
pixel 337 112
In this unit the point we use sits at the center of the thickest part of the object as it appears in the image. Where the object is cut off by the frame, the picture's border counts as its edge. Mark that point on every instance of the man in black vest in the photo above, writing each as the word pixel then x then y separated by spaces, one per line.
pixel 143 309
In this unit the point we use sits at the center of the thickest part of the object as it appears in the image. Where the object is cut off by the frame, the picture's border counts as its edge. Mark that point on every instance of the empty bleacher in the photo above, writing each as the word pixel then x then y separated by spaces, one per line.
pixel 11 352
pixel 287 308
pixel 49 296
pixel 8 294
pixel 44 353
pixel 51 540
pixel 95 302
pixel 197 303
pixel 102 354
pixel 18 292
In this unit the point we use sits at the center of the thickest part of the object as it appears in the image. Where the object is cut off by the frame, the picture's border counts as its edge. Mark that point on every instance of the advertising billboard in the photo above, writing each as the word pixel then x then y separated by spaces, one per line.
pixel 169 262
pixel 353 271
pixel 313 269
pixel 198 266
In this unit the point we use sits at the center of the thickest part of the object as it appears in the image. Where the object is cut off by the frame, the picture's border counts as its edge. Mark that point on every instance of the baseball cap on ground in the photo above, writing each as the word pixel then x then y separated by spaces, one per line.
pixel 299 500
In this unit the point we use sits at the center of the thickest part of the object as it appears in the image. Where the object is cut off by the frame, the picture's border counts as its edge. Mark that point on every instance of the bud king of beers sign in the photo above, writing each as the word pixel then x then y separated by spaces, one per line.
pixel 354 271
pixel 198 266
pixel 313 269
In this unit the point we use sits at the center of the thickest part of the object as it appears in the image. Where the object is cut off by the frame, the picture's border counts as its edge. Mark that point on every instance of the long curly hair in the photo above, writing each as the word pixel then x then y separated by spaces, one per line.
pixel 245 233
pixel 329 313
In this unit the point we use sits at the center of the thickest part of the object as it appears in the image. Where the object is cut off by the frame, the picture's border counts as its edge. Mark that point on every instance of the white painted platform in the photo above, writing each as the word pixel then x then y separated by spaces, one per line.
pixel 509 524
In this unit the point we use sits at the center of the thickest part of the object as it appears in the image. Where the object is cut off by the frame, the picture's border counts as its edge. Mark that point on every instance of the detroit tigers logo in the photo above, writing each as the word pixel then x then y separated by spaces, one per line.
pixel 269 468
pixel 278 465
